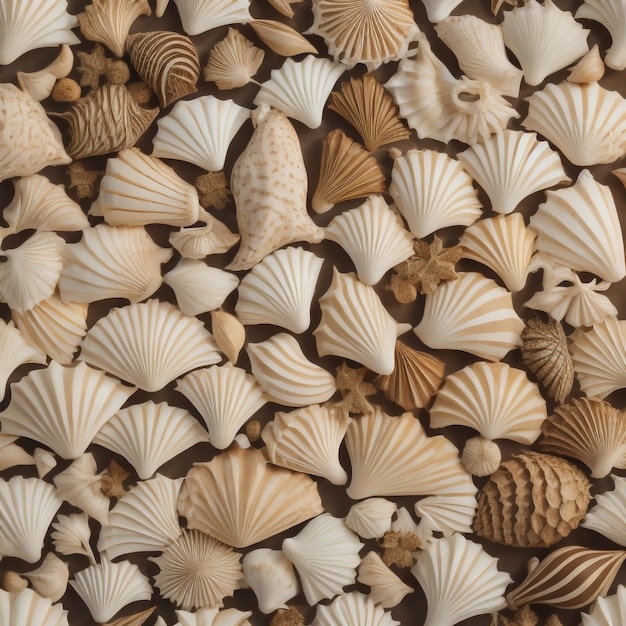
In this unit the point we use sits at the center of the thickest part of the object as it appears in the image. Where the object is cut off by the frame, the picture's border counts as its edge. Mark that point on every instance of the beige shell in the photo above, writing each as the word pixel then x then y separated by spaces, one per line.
pixel 353 608
pixel 281 38
pixel 45 461
pixel 371 518
pixel 210 616
pixel 11 455
pixel 71 535
pixel 438 10
pixel 386 588
pixel 18 606
pixel 589 69
pixel 136 619
pixel 612 16
pixel 198 242
pixel 198 17
pixel 240 499
pixel 554 492
pixel 39 84
pixel 607 516
pixel 607 611
pixel 481 456
pixel 284 6
pixel 229 334
pixel 50 579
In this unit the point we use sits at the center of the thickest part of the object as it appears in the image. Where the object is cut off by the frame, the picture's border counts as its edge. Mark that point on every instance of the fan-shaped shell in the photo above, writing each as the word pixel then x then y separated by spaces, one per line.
pixel 198 16
pixel 386 588
pixel 72 534
pixel 148 344
pixel 371 518
pixel 609 611
pixel 608 517
pixel 612 15
pixel 18 609
pixel 210 616
pixel 353 608
pixel 240 499
pixel 446 514
pixel 432 191
pixel 438 10
pixel 197 242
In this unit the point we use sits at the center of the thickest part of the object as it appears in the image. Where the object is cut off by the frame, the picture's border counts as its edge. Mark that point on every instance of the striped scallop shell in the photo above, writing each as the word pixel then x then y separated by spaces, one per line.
pixel 386 588
pixel 18 607
pixel 371 518
pixel 198 17
pixel 608 516
pixel 612 15
pixel 609 611
pixel 353 608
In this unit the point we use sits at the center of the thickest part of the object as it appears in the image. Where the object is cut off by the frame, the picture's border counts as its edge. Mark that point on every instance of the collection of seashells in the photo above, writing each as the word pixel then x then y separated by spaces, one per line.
pixel 309 311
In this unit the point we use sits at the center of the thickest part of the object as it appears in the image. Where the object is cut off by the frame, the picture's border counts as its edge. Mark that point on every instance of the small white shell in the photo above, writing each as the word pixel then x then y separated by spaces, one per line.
pixel 39 84
pixel 49 580
pixel 446 514
pixel 438 10
pixel 72 534
pixel 386 588
pixel 45 461
pixel 608 516
pixel 612 15
pixel 353 608
pixel 198 17
pixel 371 518
pixel 198 242
pixel 18 609
pixel 607 611
pixel 210 616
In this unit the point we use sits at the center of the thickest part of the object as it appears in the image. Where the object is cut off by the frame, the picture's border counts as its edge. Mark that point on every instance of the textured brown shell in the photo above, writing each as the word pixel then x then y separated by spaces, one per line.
pixel 532 501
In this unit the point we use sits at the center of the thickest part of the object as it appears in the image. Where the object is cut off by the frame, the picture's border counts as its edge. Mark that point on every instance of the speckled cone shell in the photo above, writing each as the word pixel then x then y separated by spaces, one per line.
pixel 532 501
pixel 269 186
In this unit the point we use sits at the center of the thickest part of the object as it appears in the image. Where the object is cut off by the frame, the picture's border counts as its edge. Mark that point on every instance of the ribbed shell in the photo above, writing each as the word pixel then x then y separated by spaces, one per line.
pixel 198 242
pixel 438 10
pixel 17 608
pixel 447 514
pixel 612 15
pixel 608 516
pixel 371 518
pixel 198 16
pixel 386 588
pixel 609 611
pixel 281 38
pixel 353 608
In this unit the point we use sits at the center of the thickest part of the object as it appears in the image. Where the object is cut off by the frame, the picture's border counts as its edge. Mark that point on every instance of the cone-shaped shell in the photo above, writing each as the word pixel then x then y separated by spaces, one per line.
pixel 472 314
pixel 149 435
pixel 353 608
pixel 240 499
pixel 609 611
pixel 281 38
pixel 386 588
pixel 432 191
pixel 149 344
pixel 371 518
pixel 198 17
pixel 460 580
pixel 18 609
pixel 608 516
pixel 612 15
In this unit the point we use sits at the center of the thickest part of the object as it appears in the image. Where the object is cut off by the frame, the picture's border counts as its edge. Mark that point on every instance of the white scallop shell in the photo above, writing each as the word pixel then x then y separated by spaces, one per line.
pixel 307 440
pixel 386 588
pixel 199 131
pixel 612 15
pixel 138 189
pixel 371 518
pixel 607 516
pixel 286 375
pixel 300 88
pixel 149 344
pixel 374 238
pixel 432 191
pixel 112 262
pixel 63 407
pixel 148 435
pixel 108 587
pixel 50 579
pixel 579 227
pixel 460 580
pixel 279 290
pixel 198 16
pixel 225 396
pixel 438 10
pixel 353 608
pixel 608 611
pixel 471 313
pixel 325 553
pixel 586 122
pixel 20 608
pixel 72 535
pixel 446 514
pixel 210 616
pixel 511 165
pixel 543 38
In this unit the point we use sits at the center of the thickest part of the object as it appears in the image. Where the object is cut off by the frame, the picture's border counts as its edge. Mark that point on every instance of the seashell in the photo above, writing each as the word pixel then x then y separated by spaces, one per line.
pixel 11 455
pixel 137 619
pixel 39 24
pixel 148 435
pixel 568 578
pixel 353 606
pixel 543 38
pixel 40 84
pixel 432 191
pixel 149 344
pixel 109 22
pixel 279 290
pixel 369 34
pixel 585 218
pixel 281 39
pixel 189 281
pixel 226 397
pixel 240 499
pixel 45 461
pixel 49 580
pixel 270 575
pixel 286 375
pixel 374 238
pixel 607 516
pixel 108 587
pixel 472 314
pixel 609 611
pixel 325 553
pixel 347 172
pixel 438 10
pixel 553 493
pixel 371 518
pixel 460 580
pixel 386 588
pixel 229 334
pixel 307 440
pixel 612 16
pixel 197 242
pixel 270 199
pixel 19 608
pixel 210 616
pixel 439 106
pixel 72 534
pixel 143 520
pixel 198 17
pixel 481 456
pixel 199 131
pixel 168 62
pixel 300 89
pixel 511 165
pixel 284 6
pixel 63 407
pixel 446 514
pixel 589 69
pixel 106 120
pixel 587 123
pixel 29 140
pixel 479 49
pixel 112 262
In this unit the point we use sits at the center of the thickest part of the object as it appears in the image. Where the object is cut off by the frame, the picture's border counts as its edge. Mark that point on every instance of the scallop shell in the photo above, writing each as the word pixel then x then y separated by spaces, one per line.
pixel 197 242
pixel 168 62
pixel 446 514
pixel 347 172
pixel 108 587
pixel 325 553
pixel 438 10
pixel 300 88
pixel 63 407
pixel 138 189
pixel 72 534
pixel 148 435
pixel 18 609
pixel 240 499
pixel 579 227
pixel 279 290
pixel 226 397
pixel 199 131
pixel 612 15
pixel 511 165
pixel 210 616
pixel 432 191
pixel 286 375
pixel 568 578
pixel 28 138
pixel 607 516
pixel 586 122
pixel 39 84
pixel 271 198
pixel 371 518
pixel 307 440
pixel 148 344
pixel 472 314
pixel 460 580
pixel 198 17
pixel 110 21
pixel 609 611
pixel 386 588
pixel 353 608
pixel 374 238
pixel 31 25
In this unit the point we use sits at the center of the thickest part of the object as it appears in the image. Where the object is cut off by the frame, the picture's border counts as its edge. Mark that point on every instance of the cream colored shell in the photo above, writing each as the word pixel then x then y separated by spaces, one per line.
pixel 198 17
pixel 39 84
pixel 607 611
pixel 608 516
pixel 71 535
pixel 612 15
pixel 438 10
pixel 371 518
pixel 198 242
pixel 353 608
pixel 386 588
pixel 18 607
pixel 50 579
